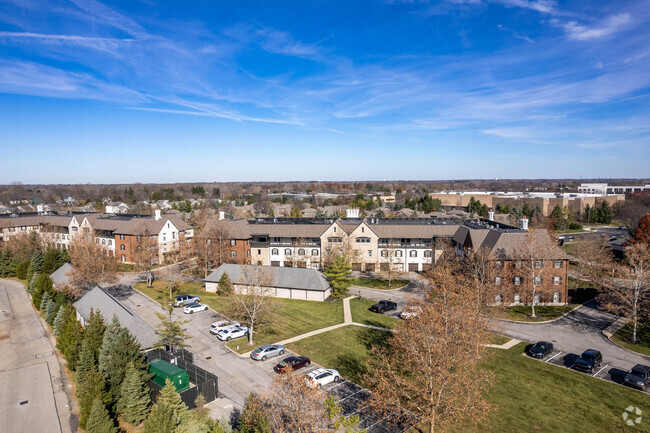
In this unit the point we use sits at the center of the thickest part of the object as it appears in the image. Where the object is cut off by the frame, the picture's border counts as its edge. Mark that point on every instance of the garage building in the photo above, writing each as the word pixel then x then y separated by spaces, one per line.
pixel 280 282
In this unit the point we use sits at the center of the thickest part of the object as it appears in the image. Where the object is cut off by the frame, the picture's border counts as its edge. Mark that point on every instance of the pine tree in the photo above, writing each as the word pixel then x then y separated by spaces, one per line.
pixel 50 311
pixel 44 301
pixel 170 398
pixel 337 272
pixel 70 337
pixel 58 320
pixel 225 285
pixel 161 420
pixel 99 420
pixel 93 387
pixel 135 397
pixel 7 268
pixel 35 265
pixel 43 284
pixel 32 284
pixel 85 364
pixel 95 329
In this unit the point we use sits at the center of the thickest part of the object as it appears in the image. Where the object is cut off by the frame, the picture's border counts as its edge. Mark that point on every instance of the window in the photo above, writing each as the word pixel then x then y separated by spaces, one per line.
pixel 335 240
pixel 123 258
pixel 413 253
pixel 233 242
pixel 287 252
pixel 248 253
pixel 427 253
pixel 334 229
pixel 517 281
pixel 497 299
pixel 233 254
pixel 189 241
pixel 103 241
pixel 538 298
pixel 167 225
pixel 138 238
pixel 122 247
pixel 384 253
pixel 538 264
pixel 557 281
pixel 363 229
pixel 174 245
pixel 557 264
pixel 398 253
pixel 369 253
pixel 274 252
pixel 498 264
pixel 74 229
pixel 314 252
pixel 517 298
pixel 518 264
pixel 164 237
pixel 556 297
pixel 538 280
pixel 165 247
pixel 497 281
pixel 110 242
pixel 363 240
pixel 301 252
pixel 173 235
pixel 259 252
pixel 121 237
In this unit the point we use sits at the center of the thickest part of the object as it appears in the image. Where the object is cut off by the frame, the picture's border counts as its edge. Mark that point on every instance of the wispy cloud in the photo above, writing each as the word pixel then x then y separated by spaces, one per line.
pixel 278 42
pixel 544 6
pixel 514 33
pixel 601 29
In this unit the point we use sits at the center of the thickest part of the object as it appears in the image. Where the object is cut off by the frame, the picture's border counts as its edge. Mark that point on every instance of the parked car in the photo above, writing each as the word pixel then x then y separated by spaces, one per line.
pixel 410 312
pixel 222 324
pixel 638 377
pixel 230 333
pixel 266 351
pixel 322 376
pixel 383 306
pixel 186 300
pixel 293 362
pixel 540 349
pixel 193 308
pixel 589 360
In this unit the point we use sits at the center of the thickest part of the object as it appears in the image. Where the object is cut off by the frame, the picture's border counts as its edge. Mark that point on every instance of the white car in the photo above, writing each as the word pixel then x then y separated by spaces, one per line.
pixel 230 333
pixel 322 376
pixel 221 325
pixel 191 309
pixel 410 312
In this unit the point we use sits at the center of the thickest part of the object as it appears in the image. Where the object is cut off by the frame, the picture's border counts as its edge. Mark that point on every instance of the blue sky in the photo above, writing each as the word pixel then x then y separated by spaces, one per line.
pixel 169 91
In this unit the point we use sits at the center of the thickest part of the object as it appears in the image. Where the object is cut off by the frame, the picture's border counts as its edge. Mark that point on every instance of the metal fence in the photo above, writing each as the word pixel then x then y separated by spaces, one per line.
pixel 205 383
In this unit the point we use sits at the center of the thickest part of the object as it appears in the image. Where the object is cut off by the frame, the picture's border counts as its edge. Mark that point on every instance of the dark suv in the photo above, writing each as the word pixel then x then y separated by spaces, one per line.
pixel 589 360
pixel 638 377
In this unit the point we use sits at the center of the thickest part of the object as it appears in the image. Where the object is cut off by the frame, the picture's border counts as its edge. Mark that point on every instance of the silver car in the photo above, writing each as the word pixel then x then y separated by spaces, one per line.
pixel 267 351
pixel 186 300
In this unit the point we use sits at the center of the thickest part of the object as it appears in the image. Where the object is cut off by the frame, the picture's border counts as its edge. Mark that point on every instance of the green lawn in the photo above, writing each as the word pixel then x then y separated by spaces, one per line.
pixel 529 395
pixel 498 339
pixel 624 338
pixel 361 314
pixel 376 283
pixel 522 313
pixel 292 316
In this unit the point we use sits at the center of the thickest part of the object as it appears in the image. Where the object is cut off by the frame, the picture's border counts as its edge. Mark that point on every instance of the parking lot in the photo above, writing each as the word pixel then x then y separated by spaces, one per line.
pixel 606 371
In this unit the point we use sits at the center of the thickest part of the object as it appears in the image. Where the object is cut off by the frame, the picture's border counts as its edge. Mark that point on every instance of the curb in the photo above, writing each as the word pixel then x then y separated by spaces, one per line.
pixel 607 334
pixel 543 321
pixel 505 346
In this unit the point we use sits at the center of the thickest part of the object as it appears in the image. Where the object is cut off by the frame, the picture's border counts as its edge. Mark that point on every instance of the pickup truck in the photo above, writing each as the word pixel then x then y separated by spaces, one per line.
pixel 383 306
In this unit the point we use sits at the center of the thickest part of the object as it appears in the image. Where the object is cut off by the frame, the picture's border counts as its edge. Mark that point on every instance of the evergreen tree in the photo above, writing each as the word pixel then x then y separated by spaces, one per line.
pixel 50 311
pixel 170 398
pixel 7 267
pixel 161 420
pixel 108 343
pixel 605 213
pixel 337 272
pixel 43 284
pixel 93 387
pixel 35 265
pixel 52 260
pixel 95 329
pixel 44 301
pixel 58 320
pixel 224 287
pixel 99 420
pixel 135 397
pixel 70 337
pixel 85 364
pixel 32 284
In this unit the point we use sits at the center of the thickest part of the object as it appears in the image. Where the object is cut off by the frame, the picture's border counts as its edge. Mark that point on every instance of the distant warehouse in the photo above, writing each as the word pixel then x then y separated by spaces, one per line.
pixel 280 282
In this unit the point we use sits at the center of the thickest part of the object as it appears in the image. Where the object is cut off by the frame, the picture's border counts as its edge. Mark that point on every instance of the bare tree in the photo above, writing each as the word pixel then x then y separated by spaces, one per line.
pixel 389 259
pixel 207 249
pixel 428 371
pixel 145 255
pixel 591 257
pixel 299 257
pixel 250 301
pixel 93 265
pixel 628 291
pixel 479 266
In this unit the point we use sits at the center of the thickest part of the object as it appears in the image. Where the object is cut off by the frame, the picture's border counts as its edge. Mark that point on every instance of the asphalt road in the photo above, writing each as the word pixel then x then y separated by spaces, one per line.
pixel 35 394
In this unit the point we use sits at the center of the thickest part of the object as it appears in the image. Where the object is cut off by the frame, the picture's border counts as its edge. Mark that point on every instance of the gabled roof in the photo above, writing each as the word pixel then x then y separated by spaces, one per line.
pixel 99 300
pixel 287 278
pixel 61 276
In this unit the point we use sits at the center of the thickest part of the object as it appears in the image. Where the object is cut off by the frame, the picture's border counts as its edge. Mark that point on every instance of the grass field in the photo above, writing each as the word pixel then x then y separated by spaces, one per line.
pixel 376 283
pixel 291 316
pixel 361 314
pixel 528 395
pixel 498 339
pixel 522 313
pixel 624 338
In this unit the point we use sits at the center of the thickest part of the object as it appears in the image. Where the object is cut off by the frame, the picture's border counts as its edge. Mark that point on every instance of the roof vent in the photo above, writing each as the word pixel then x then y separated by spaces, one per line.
pixel 524 223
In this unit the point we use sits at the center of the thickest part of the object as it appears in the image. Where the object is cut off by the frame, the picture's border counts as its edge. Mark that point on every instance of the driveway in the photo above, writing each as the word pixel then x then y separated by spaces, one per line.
pixel 417 288
pixel 572 334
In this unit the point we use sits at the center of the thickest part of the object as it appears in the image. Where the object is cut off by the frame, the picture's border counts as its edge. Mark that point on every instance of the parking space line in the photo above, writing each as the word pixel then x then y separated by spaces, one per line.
pixel 359 410
pixel 341 382
pixel 606 365
pixel 361 390
pixel 553 356
pixel 371 426
pixel 571 368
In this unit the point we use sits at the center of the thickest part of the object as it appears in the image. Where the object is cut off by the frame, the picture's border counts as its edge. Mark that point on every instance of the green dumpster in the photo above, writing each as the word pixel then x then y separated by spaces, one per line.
pixel 162 370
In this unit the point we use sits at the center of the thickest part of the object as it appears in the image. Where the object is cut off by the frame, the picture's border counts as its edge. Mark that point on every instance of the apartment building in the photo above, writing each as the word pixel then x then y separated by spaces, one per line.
pixel 119 234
